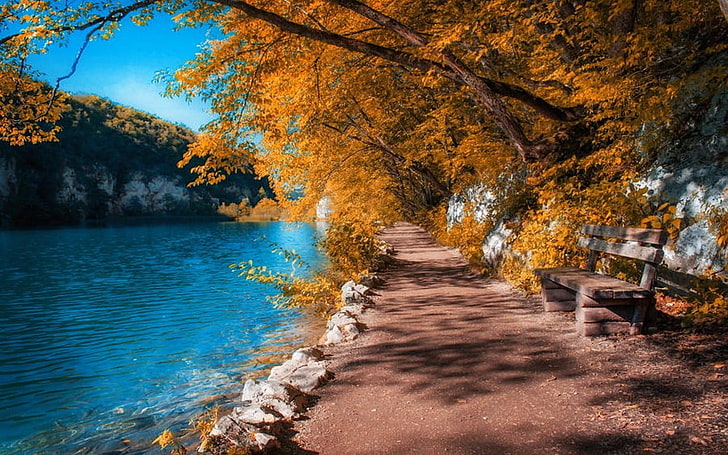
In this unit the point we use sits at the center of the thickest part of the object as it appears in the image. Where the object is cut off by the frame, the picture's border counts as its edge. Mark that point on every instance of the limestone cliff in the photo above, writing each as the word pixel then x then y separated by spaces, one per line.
pixel 109 161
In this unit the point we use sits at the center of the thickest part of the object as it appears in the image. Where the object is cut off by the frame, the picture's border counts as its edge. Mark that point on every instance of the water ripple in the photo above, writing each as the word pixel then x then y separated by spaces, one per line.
pixel 112 335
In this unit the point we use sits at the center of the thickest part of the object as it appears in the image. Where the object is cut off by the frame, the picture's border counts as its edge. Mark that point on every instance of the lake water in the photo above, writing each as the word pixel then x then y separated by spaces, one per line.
pixel 110 335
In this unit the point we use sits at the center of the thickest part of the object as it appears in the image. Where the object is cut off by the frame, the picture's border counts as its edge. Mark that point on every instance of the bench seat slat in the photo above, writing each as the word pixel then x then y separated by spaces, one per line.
pixel 594 285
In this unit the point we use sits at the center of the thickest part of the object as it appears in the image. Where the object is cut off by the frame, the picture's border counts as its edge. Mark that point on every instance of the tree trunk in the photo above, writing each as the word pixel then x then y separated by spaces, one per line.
pixel 624 23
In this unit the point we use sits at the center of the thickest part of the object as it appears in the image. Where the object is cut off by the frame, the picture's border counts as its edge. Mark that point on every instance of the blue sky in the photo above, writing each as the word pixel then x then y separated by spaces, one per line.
pixel 122 68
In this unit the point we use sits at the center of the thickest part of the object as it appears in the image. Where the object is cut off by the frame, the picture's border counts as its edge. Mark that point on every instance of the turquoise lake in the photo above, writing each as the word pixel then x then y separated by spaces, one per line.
pixel 110 335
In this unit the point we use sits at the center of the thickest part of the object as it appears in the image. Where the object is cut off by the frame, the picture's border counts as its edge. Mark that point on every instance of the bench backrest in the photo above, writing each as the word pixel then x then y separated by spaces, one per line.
pixel 635 243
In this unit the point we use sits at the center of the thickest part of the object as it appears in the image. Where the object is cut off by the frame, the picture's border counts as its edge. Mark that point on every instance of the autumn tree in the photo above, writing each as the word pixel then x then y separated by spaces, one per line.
pixel 388 107
pixel 341 91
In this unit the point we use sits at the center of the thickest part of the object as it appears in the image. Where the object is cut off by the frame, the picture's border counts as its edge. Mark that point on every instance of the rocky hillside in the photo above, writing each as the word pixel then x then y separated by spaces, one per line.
pixel 685 184
pixel 109 161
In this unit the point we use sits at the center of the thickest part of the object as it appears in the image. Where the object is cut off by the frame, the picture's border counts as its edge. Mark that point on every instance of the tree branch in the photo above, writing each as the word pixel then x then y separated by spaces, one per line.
pixel 453 69
pixel 113 16
pixel 415 166
pixel 485 89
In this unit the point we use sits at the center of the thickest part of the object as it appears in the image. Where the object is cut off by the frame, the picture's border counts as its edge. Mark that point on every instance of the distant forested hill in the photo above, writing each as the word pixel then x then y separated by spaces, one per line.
pixel 110 160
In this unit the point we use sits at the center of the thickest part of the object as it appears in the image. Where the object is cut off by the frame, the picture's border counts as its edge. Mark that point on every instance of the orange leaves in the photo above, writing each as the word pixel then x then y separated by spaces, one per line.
pixel 28 108
pixel 665 218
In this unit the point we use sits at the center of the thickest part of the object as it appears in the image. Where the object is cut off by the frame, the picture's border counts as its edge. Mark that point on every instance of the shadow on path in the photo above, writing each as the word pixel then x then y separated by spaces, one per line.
pixel 456 363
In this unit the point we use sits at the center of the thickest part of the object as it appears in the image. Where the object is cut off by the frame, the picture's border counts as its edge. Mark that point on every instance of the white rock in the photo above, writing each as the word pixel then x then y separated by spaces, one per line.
pixel 240 434
pixel 341 318
pixel 308 354
pixel 280 372
pixel 494 245
pixel 350 331
pixel 308 378
pixel 363 290
pixel 303 376
pixel 255 414
pixel 695 251
pixel 264 441
pixel 333 336
pixel 282 398
pixel 354 310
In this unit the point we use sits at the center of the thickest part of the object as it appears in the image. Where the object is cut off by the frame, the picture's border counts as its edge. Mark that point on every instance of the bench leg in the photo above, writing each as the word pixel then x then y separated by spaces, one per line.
pixel 556 297
pixel 604 317
pixel 595 318
pixel 639 316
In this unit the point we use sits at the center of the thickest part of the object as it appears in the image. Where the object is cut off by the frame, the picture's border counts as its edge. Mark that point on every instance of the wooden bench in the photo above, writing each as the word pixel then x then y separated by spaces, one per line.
pixel 604 304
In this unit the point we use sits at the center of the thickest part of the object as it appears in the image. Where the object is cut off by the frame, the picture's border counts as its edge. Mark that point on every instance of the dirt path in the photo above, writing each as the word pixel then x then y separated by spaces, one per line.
pixel 456 363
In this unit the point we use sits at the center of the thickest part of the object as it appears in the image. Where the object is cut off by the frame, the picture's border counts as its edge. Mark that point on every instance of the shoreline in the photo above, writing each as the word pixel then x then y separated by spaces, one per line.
pixel 269 407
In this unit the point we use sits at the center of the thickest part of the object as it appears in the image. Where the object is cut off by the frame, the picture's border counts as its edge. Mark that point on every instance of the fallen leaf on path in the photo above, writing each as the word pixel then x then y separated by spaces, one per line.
pixel 699 440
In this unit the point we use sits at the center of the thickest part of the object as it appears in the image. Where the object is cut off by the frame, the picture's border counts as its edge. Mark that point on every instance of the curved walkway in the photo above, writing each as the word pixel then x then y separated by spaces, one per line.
pixel 456 363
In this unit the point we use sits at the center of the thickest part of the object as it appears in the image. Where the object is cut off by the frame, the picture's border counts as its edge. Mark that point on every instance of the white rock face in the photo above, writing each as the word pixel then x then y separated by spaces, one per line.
pixel 476 200
pixel 455 210
pixel 324 208
pixel 495 244
pixel 104 180
pixel 71 191
pixel 696 191
pixel 695 251
pixel 8 179
pixel 157 195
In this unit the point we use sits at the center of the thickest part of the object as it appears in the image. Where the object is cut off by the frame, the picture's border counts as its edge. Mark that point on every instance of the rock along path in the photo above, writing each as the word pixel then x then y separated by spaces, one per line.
pixel 453 362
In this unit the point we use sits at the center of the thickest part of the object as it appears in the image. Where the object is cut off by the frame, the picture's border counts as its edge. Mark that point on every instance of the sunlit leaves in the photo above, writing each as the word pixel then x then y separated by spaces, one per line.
pixel 384 138
pixel 29 108
pixel 316 291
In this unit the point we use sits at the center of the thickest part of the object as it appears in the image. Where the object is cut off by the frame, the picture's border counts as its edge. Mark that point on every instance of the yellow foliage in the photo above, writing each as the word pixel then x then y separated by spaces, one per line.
pixel 719 221
pixel 711 306
pixel 467 236
pixel 353 247
pixel 665 218
pixel 167 439
pixel 28 108
pixel 266 209
pixel 204 423
pixel 317 291
pixel 337 104
pixel 235 211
